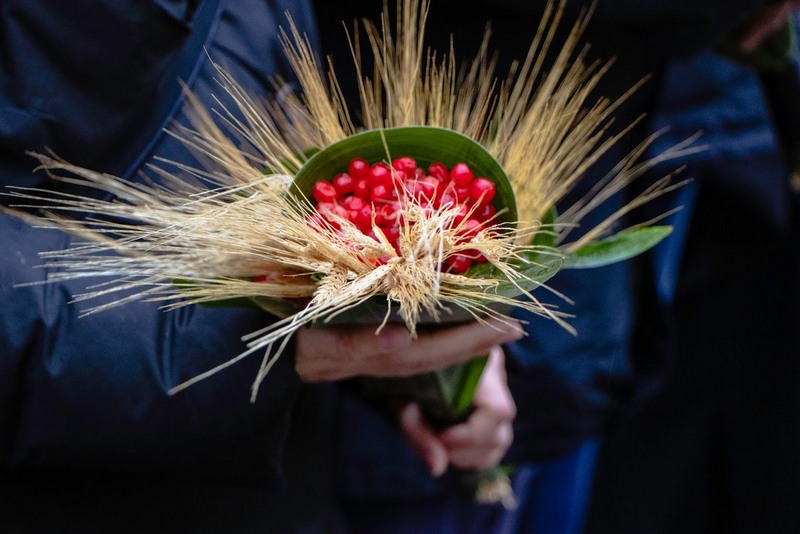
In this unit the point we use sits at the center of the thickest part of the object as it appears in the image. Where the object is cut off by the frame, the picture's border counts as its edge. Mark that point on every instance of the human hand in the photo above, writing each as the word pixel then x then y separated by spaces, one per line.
pixel 480 442
pixel 768 21
pixel 338 352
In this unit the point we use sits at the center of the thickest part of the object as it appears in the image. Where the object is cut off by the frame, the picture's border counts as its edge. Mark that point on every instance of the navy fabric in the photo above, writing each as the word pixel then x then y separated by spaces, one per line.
pixel 88 434
pixel 552 499
pixel 715 450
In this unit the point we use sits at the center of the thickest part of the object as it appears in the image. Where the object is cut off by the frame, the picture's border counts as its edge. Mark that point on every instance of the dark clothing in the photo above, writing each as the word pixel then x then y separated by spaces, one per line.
pixel 89 437
pixel 715 450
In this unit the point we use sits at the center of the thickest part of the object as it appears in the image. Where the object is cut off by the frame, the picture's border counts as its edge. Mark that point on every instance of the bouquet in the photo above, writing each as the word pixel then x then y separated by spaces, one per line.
pixel 439 207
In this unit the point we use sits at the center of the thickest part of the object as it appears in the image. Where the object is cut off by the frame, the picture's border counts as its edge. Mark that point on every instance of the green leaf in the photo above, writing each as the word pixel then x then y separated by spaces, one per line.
pixel 547 237
pixel 618 247
pixel 445 396
pixel 535 269
pixel 424 143
pixel 458 385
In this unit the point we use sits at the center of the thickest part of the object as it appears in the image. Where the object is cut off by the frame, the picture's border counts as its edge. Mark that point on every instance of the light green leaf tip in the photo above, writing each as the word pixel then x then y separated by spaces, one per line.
pixel 618 247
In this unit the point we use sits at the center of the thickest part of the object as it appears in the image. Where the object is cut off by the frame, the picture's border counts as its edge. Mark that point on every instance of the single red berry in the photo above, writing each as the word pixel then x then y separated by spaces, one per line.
pixel 325 208
pixel 424 192
pixel 469 229
pixel 461 175
pixel 315 221
pixel 362 218
pixel 397 180
pixel 462 215
pixel 377 215
pixel 438 187
pixel 438 170
pixel 382 192
pixel 358 168
pixel 333 214
pixel 475 256
pixel 344 184
pixel 447 199
pixel 362 188
pixel 406 164
pixel 391 214
pixel 380 174
pixel 400 176
pixel 353 202
pixel 340 212
pixel 462 194
pixel 457 263
pixel 485 212
pixel 482 191
pixel 323 191
pixel 393 236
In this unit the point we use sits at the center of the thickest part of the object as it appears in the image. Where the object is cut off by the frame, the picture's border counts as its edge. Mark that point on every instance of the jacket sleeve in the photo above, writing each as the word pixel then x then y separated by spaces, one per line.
pixel 90 393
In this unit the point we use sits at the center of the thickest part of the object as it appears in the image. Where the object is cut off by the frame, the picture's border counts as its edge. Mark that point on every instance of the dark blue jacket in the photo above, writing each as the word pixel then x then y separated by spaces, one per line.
pixel 89 438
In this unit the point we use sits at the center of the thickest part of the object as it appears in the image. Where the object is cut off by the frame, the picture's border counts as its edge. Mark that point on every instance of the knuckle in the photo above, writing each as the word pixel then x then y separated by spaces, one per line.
pixel 505 437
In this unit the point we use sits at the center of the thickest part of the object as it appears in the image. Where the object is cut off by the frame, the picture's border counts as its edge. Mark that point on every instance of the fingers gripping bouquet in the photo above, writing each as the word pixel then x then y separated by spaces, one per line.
pixel 438 208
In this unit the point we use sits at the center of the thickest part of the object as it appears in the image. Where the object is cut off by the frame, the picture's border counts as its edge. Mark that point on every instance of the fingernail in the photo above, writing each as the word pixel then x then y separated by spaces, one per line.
pixel 511 331
pixel 437 465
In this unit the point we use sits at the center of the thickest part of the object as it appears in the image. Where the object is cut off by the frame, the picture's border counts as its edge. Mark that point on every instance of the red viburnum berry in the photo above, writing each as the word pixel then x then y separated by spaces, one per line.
pixel 380 174
pixel 344 184
pixel 462 215
pixel 462 194
pixel 405 164
pixel 482 191
pixel 485 212
pixel 457 263
pixel 447 199
pixel 382 193
pixel 461 175
pixel 393 236
pixel 323 191
pixel 362 218
pixel 391 214
pixel 333 213
pixel 438 170
pixel 353 203
pixel 362 188
pixel 475 256
pixel 422 190
pixel 469 229
pixel 358 168
pixel 315 221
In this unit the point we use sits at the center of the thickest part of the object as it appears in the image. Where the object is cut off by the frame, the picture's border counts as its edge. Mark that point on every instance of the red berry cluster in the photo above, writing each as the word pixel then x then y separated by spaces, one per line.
pixel 377 193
